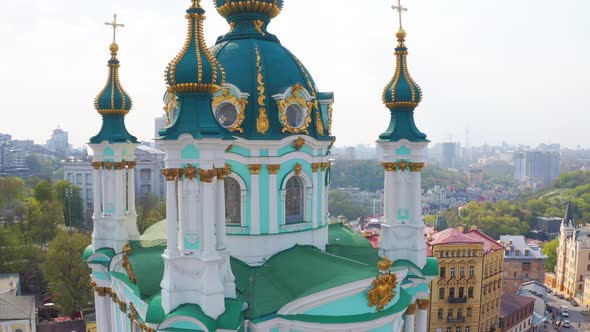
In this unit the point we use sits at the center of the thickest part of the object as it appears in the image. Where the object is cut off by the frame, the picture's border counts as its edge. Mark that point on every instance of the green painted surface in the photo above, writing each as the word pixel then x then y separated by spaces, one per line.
pixel 108 151
pixel 148 271
pixel 113 130
pixel 289 148
pixel 264 153
pixel 190 152
pixel 403 151
pixel 352 305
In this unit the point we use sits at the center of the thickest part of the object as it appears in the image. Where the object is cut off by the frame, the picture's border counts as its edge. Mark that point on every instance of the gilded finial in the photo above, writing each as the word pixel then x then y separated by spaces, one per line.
pixel 401 33
pixel 384 264
pixel 196 4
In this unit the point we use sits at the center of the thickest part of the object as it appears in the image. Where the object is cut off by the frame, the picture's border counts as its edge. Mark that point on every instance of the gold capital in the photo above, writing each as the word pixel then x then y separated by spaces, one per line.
pixel 273 168
pixel 298 143
pixel 190 172
pixel 411 309
pixel 207 175
pixel 423 304
pixel 324 166
pixel 297 169
pixel 119 165
pixel 254 168
pixel 96 164
pixel 170 173
pixel 107 165
pixel 389 167
pixel 315 166
pixel 131 164
pixel 416 167
pixel 403 165
pixel 220 173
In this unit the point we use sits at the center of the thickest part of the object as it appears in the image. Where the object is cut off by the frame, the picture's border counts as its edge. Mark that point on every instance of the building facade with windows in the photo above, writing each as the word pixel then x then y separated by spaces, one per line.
pixel 522 262
pixel 466 295
pixel 516 313
pixel 573 256
pixel 246 244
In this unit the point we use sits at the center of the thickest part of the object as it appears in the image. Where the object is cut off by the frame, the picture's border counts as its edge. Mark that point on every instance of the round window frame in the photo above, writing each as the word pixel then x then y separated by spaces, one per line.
pixel 302 112
pixel 236 114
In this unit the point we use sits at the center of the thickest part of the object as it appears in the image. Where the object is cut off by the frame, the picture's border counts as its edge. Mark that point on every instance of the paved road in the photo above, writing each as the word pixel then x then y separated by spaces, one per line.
pixel 576 316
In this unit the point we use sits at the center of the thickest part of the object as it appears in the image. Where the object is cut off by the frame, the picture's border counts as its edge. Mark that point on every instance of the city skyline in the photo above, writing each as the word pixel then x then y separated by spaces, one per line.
pixel 464 60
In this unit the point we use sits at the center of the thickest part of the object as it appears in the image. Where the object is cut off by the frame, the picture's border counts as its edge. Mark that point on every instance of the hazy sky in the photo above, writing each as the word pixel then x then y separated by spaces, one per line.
pixel 510 70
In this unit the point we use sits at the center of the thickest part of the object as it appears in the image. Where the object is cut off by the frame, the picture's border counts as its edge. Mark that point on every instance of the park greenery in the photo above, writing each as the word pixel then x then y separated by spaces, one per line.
pixel 550 249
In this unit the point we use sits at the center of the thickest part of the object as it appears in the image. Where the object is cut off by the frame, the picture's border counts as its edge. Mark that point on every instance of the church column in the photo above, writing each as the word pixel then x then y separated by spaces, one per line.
pixel 389 192
pixel 254 199
pixel 316 190
pixel 101 317
pixel 208 214
pixel 220 209
pixel 119 189
pixel 97 190
pixel 422 316
pixel 171 213
pixel 416 183
pixel 273 226
pixel 410 318
pixel 131 188
pixel 323 192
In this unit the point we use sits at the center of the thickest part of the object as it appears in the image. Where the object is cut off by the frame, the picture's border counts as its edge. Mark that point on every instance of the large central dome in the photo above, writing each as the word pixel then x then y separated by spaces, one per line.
pixel 271 80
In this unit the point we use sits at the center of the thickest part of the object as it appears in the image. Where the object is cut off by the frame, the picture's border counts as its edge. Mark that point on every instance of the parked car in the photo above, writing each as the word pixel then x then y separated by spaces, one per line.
pixel 566 323
pixel 574 303
pixel 565 314
pixel 560 296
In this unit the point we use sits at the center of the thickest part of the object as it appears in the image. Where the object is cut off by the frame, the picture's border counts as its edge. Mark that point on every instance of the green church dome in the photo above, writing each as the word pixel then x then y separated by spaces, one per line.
pixel 113 99
pixel 402 95
pixel 194 69
pixel 113 103
pixel 273 83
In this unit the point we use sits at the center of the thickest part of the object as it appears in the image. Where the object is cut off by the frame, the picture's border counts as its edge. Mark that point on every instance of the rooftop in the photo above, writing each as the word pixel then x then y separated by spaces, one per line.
pixel 16 307
pixel 516 247
pixel 512 303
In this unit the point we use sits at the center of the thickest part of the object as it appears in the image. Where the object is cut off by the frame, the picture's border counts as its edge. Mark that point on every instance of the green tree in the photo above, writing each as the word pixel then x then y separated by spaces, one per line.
pixel 550 249
pixel 68 276
pixel 340 203
pixel 44 229
pixel 43 191
pixel 144 207
pixel 12 191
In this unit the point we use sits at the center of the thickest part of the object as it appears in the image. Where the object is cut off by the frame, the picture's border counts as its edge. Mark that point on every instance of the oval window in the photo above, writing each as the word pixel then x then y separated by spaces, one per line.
pixel 295 115
pixel 226 114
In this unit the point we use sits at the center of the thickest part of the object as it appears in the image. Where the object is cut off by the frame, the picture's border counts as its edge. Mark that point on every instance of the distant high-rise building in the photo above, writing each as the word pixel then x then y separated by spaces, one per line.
pixel 449 155
pixel 536 167
pixel 159 123
pixel 58 142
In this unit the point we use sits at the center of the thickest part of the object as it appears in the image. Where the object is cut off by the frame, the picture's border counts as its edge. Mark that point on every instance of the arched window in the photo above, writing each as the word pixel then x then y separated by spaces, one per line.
pixel 233 206
pixel 294 201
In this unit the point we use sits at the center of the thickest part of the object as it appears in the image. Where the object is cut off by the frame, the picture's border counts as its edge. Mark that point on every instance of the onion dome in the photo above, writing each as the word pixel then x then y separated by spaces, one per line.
pixel 402 95
pixel 230 8
pixel 273 83
pixel 192 77
pixel 113 103
pixel 194 69
pixel 113 99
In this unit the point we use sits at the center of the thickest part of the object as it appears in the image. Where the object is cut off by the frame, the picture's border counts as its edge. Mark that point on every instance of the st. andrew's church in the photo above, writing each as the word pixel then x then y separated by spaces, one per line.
pixel 246 244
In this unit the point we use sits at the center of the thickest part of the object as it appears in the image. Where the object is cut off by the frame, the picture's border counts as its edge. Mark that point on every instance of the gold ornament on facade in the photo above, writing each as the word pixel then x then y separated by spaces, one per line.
pixel 171 106
pixel 108 165
pixel 207 175
pixel 113 296
pixel 132 312
pixel 324 166
pixel 122 306
pixel 423 304
pixel 308 81
pixel 273 169
pixel 220 173
pixel 389 167
pixel 126 249
pixel 384 285
pixel 227 169
pixel 315 166
pixel 416 167
pixel 295 99
pixel 238 103
pixel 119 166
pixel 258 24
pixel 270 9
pixel 170 173
pixel 232 26
pixel 298 143
pixel 319 123
pixel 190 172
pixel 262 123
pixel 297 169
pixel 229 147
pixel 131 164
pixel 127 265
pixel 96 164
pixel 403 165
pixel 411 309
pixel 254 168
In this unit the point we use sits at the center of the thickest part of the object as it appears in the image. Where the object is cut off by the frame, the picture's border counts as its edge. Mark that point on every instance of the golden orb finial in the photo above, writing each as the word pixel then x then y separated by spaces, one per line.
pixel 401 34
pixel 114 47
pixel 384 264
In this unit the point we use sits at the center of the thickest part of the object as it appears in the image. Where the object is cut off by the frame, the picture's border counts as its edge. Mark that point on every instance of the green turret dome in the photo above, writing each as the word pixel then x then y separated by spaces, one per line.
pixel 113 103
pixel 402 95
pixel 268 75
pixel 113 98
pixel 194 69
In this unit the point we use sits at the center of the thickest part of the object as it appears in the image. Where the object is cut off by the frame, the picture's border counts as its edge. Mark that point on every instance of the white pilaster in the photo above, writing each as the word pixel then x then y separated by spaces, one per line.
pixel 171 213
pixel 273 214
pixel 208 218
pixel 254 202
pixel 97 190
pixel 100 313
pixel 220 211
pixel 314 197
pixel 422 316
pixel 131 214
pixel 410 318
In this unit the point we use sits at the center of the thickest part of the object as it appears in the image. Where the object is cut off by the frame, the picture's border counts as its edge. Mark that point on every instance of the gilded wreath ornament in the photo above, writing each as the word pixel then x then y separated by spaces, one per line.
pixel 383 287
pixel 238 103
pixel 295 99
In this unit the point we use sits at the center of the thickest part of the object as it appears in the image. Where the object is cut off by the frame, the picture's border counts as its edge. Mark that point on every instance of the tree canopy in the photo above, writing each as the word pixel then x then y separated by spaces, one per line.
pixel 550 249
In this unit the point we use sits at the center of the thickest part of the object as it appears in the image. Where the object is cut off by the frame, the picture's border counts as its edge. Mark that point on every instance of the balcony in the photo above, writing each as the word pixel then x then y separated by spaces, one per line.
pixel 456 320
pixel 458 299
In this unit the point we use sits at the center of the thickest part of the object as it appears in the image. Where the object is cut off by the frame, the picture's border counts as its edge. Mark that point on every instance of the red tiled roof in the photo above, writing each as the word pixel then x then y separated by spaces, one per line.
pixel 489 244
pixel 452 236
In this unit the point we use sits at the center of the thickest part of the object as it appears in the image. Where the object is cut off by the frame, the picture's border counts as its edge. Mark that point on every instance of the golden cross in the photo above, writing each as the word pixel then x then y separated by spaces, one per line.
pixel 115 25
pixel 399 9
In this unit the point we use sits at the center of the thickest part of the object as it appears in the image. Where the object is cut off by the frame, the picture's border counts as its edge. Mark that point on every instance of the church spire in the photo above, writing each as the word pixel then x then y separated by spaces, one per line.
pixel 402 95
pixel 113 102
